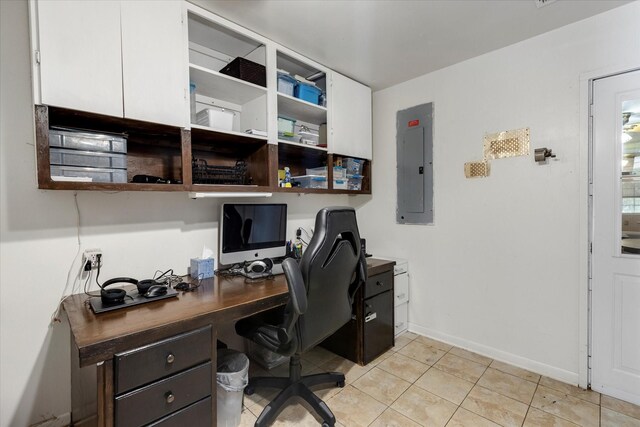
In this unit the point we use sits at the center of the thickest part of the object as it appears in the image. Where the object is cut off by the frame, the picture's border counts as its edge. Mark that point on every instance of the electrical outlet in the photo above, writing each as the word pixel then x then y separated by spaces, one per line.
pixel 92 256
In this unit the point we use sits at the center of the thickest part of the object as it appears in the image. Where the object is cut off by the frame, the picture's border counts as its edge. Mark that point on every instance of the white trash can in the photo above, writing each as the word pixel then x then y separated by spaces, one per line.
pixel 232 377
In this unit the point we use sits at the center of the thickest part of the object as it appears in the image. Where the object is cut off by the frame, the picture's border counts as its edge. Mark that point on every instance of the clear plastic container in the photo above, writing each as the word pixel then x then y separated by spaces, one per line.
pixel 311 181
pixel 286 127
pixel 93 159
pixel 354 166
pixel 87 141
pixel 354 182
pixel 339 173
pixel 317 171
pixel 192 101
pixel 340 184
pixel 286 83
pixel 94 174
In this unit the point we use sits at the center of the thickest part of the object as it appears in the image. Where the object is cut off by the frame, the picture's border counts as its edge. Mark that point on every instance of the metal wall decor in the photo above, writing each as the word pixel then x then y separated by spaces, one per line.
pixel 510 143
pixel 476 169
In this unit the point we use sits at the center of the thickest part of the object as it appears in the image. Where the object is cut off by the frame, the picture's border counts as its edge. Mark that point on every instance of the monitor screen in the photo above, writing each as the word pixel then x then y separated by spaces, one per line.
pixel 252 231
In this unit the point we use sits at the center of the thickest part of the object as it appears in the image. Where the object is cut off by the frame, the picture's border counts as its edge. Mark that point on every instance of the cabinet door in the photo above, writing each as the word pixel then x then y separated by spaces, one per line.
pixel 80 62
pixel 378 325
pixel 350 117
pixel 154 58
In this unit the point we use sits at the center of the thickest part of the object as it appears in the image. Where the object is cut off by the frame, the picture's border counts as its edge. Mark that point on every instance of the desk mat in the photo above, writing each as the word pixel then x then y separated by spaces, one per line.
pixel 132 298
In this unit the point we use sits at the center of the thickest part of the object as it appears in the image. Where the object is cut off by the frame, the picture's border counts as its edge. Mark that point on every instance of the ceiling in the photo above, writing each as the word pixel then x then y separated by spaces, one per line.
pixel 385 42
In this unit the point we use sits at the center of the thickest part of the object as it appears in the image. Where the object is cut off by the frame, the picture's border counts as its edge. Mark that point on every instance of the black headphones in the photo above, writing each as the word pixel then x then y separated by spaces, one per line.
pixel 261 266
pixel 115 296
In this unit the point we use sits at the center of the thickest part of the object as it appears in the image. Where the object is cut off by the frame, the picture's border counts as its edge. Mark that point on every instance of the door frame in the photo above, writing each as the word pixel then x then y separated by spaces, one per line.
pixel 586 211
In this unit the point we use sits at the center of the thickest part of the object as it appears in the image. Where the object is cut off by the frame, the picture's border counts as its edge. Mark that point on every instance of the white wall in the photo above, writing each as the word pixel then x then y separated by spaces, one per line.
pixel 139 233
pixel 500 271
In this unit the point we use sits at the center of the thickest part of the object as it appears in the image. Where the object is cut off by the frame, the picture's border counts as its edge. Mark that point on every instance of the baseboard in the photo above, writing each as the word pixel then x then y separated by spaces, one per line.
pixel 61 420
pixel 502 356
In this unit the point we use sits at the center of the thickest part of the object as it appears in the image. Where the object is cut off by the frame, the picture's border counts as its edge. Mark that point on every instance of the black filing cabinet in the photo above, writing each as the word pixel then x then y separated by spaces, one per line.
pixel 167 383
pixel 370 331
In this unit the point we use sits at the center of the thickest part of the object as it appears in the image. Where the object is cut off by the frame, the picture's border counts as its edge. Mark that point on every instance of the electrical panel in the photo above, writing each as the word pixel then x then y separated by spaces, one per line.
pixel 414 139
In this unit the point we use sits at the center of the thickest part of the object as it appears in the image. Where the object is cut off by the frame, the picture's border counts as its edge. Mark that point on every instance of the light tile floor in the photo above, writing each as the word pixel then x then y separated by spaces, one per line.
pixel 423 382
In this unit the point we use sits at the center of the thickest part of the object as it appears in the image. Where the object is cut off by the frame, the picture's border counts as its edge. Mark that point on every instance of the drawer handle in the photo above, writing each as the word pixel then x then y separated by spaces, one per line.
pixel 399 325
pixel 401 295
pixel 369 317
pixel 170 358
pixel 379 283
pixel 169 397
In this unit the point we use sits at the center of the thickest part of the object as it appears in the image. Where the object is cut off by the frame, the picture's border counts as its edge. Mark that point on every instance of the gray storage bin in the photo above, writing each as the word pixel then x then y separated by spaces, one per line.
pixel 93 159
pixel 96 174
pixel 87 141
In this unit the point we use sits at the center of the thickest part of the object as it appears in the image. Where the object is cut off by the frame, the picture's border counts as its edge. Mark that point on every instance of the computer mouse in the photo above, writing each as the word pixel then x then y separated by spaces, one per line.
pixel 156 291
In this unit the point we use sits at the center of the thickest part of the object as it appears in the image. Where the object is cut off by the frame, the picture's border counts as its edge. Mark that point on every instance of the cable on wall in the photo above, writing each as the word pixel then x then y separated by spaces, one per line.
pixel 55 316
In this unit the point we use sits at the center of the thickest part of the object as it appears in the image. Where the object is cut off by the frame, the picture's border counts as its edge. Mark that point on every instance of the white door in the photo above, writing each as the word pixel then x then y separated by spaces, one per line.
pixel 350 117
pixel 154 54
pixel 615 316
pixel 80 61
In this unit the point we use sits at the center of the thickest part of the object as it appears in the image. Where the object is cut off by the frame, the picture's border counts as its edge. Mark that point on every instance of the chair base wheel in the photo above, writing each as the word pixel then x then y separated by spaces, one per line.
pixel 340 384
pixel 248 390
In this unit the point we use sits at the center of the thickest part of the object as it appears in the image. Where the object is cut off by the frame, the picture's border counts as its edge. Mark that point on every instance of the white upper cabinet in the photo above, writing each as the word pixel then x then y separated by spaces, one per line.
pixel 153 57
pixel 80 56
pixel 232 101
pixel 122 59
pixel 350 117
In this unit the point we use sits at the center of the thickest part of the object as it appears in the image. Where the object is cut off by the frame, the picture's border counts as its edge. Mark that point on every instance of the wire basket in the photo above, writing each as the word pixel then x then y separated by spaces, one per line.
pixel 209 174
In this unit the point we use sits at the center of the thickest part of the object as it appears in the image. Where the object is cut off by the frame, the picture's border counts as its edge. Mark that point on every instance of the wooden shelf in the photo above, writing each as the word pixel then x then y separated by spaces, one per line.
pixel 288 106
pixel 302 146
pixel 226 135
pixel 221 86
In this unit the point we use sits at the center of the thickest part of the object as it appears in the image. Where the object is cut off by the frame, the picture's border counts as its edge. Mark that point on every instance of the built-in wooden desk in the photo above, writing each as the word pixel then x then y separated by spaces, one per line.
pixel 98 338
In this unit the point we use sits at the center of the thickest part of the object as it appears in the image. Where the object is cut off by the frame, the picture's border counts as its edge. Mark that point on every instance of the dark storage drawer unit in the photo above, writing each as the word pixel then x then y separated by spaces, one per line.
pixel 370 331
pixel 166 383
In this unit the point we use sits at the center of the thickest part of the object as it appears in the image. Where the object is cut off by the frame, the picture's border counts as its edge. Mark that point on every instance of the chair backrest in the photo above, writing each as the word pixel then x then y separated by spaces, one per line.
pixel 332 267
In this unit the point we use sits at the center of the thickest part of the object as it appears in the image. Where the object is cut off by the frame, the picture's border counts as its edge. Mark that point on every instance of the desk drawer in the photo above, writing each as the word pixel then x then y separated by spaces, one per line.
pixel 378 283
pixel 161 359
pixel 196 415
pixel 154 401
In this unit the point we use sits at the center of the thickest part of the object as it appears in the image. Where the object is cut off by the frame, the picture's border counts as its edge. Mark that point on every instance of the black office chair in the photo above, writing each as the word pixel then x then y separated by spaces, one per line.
pixel 321 291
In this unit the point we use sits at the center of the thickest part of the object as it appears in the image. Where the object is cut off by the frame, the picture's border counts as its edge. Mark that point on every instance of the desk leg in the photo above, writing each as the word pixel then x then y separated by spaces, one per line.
pixel 214 380
pixel 105 393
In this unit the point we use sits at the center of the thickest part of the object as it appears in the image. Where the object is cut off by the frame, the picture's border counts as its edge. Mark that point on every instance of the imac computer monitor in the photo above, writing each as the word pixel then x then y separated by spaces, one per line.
pixel 250 232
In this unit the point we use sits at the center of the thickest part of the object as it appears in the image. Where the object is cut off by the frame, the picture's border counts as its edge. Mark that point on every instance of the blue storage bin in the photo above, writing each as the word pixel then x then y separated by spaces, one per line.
pixel 286 84
pixel 307 93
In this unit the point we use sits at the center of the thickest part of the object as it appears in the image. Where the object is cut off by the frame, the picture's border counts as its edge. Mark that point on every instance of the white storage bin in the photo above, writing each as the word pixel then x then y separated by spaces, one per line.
pixel 216 118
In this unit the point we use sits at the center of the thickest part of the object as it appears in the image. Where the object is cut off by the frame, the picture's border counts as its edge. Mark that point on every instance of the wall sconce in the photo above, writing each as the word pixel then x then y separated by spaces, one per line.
pixel 541 154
